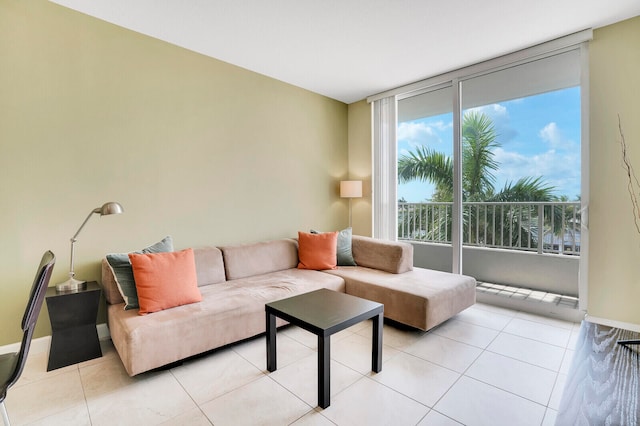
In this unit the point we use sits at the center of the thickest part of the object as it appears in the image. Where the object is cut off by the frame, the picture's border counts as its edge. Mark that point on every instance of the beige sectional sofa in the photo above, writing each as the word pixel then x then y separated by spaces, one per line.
pixel 237 281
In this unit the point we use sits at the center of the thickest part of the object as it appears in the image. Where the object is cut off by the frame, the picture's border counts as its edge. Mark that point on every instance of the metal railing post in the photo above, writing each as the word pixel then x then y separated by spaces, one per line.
pixel 541 228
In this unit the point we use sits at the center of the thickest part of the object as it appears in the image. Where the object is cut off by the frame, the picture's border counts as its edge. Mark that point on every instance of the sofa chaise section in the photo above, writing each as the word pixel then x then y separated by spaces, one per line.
pixel 418 297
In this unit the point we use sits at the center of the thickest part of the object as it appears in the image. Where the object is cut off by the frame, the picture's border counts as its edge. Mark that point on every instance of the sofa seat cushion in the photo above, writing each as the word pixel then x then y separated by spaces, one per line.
pixel 421 298
pixel 279 285
pixel 229 312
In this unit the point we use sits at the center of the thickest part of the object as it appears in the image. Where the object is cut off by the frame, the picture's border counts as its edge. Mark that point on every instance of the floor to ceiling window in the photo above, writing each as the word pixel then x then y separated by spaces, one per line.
pixel 425 167
pixel 489 160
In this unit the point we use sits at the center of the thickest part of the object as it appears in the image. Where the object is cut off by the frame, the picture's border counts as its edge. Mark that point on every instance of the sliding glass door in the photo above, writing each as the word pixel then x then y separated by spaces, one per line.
pixel 489 169
pixel 425 166
pixel 521 164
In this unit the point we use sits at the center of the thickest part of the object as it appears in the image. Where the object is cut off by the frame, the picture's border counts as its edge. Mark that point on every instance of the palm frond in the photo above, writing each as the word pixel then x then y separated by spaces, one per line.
pixel 426 165
pixel 525 189
pixel 478 142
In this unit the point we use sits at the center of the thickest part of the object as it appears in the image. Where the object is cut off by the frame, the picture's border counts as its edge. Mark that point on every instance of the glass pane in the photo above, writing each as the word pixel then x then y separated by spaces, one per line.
pixel 425 166
pixel 521 157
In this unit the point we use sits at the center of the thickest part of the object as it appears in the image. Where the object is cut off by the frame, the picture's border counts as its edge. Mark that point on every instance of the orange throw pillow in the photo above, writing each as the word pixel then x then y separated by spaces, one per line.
pixel 165 280
pixel 317 251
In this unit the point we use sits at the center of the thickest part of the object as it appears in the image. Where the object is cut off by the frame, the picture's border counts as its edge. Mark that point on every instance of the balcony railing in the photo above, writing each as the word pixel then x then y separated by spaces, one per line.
pixel 541 227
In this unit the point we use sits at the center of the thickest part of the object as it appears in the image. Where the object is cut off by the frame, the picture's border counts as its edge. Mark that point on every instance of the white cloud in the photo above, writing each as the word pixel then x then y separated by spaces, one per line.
pixel 499 115
pixel 493 110
pixel 419 133
pixel 441 126
pixel 551 134
pixel 554 137
pixel 558 169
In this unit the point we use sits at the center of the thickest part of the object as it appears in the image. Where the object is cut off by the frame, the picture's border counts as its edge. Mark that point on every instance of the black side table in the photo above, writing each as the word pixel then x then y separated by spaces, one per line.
pixel 73 314
pixel 324 312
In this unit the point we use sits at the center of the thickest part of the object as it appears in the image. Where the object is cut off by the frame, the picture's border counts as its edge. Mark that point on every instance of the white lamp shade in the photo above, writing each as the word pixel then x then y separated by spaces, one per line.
pixel 351 189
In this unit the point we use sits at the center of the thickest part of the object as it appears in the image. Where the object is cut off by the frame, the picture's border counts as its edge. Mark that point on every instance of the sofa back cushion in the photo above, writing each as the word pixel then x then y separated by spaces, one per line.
pixel 209 270
pixel 390 256
pixel 247 260
pixel 209 266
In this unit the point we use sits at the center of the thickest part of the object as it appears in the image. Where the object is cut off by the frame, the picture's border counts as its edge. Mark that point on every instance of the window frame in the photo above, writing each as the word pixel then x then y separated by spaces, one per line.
pixel 384 125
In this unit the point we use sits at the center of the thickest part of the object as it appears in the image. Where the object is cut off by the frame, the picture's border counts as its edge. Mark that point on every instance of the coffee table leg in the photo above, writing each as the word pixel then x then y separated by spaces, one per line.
pixel 324 371
pixel 376 350
pixel 271 342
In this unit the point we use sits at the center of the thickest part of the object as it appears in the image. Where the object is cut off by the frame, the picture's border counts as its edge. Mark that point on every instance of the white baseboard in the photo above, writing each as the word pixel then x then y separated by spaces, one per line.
pixel 103 331
pixel 613 323
pixel 41 344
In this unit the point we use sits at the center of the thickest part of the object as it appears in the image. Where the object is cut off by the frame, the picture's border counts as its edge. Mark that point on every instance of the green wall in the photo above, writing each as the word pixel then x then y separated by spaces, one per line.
pixel 360 158
pixel 614 253
pixel 190 146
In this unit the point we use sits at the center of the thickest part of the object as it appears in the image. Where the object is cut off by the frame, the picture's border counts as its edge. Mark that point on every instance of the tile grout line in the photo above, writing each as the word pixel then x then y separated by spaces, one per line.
pixel 190 397
pixel 464 373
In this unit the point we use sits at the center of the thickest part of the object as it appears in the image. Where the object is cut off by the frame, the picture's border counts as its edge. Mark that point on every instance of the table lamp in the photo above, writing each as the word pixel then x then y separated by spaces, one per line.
pixel 73 284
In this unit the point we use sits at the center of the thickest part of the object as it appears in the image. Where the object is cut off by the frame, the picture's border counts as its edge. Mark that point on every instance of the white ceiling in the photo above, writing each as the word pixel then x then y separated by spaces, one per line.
pixel 350 49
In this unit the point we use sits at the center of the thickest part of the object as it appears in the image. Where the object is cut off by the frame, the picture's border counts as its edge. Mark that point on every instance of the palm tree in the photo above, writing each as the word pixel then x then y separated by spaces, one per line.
pixel 478 164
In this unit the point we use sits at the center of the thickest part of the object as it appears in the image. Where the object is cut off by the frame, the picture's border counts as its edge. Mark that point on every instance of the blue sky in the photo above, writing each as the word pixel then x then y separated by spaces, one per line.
pixel 539 136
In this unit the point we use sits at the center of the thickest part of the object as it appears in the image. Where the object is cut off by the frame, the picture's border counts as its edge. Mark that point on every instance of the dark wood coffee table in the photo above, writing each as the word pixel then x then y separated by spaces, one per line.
pixel 324 312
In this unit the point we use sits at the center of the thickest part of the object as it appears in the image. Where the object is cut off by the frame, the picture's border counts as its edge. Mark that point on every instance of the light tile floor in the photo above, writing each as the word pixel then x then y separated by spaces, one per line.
pixel 486 366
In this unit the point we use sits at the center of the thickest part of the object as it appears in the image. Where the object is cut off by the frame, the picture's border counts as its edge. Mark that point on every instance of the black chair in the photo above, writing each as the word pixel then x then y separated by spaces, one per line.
pixel 12 364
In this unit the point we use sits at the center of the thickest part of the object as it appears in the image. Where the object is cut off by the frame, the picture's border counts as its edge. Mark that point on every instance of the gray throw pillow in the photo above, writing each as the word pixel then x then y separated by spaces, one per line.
pixel 123 274
pixel 345 255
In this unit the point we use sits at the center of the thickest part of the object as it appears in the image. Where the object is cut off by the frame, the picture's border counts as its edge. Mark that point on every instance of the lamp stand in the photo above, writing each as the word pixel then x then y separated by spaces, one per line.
pixel 349 212
pixel 73 284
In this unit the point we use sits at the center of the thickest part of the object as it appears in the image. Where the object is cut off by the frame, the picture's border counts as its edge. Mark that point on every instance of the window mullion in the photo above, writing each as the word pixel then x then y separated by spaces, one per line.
pixel 456 220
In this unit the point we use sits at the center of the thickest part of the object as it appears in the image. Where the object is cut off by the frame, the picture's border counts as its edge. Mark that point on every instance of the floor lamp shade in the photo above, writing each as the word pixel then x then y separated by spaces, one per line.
pixel 73 284
pixel 350 189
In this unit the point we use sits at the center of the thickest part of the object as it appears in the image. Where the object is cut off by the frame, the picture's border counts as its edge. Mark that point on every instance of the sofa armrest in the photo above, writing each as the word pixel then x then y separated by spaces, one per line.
pixel 389 256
